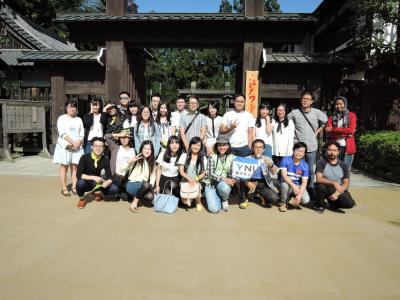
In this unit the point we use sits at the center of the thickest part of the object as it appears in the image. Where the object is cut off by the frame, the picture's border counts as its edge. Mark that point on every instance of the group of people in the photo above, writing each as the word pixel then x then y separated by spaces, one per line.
pixel 135 152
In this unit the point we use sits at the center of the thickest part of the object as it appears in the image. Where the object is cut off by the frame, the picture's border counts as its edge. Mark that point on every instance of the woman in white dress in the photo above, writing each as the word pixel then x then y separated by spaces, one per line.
pixel 69 148
pixel 213 124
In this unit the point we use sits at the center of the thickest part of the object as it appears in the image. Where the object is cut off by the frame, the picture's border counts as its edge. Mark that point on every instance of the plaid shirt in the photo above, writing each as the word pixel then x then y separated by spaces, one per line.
pixel 217 168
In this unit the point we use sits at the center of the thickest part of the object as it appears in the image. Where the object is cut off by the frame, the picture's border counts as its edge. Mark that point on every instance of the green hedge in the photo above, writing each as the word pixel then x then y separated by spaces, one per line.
pixel 378 153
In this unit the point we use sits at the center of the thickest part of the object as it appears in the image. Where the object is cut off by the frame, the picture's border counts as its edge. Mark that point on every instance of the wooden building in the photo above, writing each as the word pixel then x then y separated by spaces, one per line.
pixel 37 65
pixel 279 45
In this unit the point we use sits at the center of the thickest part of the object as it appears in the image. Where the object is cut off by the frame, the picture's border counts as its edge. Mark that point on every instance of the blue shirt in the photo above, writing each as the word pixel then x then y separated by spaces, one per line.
pixel 295 173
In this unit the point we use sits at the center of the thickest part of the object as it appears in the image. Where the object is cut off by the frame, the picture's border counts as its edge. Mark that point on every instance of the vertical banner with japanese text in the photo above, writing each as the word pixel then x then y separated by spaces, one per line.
pixel 252 92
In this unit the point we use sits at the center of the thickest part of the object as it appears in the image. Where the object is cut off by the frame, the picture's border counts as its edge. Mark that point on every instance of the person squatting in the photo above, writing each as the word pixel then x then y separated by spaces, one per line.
pixel 131 152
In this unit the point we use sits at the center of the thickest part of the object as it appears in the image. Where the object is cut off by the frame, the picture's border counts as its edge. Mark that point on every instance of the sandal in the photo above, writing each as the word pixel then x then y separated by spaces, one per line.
pixel 282 208
pixel 294 203
pixel 133 209
pixel 65 193
pixel 74 192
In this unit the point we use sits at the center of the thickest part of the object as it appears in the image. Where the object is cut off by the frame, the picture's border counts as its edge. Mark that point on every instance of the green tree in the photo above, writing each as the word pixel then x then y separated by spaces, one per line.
pixel 173 69
pixel 225 6
pixel 367 23
pixel 269 6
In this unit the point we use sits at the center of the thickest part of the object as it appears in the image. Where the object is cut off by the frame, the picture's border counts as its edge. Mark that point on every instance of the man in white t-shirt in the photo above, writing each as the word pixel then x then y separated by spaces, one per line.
pixel 175 116
pixel 238 125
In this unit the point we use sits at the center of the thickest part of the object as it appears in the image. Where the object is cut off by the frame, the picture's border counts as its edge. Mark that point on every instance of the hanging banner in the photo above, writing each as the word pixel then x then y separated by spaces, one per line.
pixel 252 92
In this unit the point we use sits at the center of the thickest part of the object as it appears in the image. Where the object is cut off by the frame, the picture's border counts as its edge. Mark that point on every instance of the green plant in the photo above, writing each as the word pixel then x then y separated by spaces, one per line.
pixel 378 153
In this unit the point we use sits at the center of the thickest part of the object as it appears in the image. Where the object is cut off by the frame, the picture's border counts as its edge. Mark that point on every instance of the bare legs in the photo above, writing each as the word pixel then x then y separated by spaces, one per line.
pixel 63 176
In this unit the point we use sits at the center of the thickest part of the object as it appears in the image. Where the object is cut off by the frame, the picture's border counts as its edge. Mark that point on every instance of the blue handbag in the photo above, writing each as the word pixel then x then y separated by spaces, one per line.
pixel 165 203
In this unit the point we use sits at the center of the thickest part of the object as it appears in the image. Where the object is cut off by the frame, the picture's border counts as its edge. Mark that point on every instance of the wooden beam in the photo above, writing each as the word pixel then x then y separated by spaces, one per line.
pixel 281 91
pixel 57 98
pixel 85 88
pixel 190 34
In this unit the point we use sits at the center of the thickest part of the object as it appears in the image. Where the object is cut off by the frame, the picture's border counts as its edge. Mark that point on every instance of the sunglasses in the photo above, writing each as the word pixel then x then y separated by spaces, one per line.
pixel 123 98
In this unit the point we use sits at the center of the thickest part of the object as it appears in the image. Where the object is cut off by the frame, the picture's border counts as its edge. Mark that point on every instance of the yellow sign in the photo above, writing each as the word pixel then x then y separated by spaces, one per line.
pixel 252 92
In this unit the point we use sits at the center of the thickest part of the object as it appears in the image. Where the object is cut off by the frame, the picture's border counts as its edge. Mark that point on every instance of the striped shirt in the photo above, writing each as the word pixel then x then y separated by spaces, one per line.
pixel 194 130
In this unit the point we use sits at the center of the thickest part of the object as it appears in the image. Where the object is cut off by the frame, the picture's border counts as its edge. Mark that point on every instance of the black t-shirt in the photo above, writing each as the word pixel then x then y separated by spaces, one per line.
pixel 332 172
pixel 86 166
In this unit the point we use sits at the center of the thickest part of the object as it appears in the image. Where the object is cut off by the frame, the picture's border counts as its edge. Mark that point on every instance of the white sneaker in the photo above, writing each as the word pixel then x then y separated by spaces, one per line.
pixel 225 206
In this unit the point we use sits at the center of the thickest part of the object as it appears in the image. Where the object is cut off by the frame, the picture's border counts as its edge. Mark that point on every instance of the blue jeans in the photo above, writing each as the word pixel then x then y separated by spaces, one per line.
pixel 348 160
pixel 215 196
pixel 241 151
pixel 88 147
pixel 132 187
pixel 311 158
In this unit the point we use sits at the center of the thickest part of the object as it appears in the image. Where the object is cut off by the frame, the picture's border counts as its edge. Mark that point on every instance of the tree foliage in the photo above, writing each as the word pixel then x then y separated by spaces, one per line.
pixel 173 69
pixel 43 12
pixel 368 23
pixel 269 6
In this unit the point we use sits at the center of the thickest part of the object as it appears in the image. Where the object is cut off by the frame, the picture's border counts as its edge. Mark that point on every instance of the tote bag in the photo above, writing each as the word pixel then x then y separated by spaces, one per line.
pixel 166 203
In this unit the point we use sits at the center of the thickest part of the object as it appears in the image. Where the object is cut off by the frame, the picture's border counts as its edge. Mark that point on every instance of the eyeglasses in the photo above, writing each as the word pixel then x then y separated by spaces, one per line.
pixel 98 146
pixel 300 150
pixel 123 98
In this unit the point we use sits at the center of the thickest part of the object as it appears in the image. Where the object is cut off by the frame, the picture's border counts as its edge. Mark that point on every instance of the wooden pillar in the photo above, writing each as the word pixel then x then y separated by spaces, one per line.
pixel 116 69
pixel 116 56
pixel 116 7
pixel 57 100
pixel 254 8
pixel 252 50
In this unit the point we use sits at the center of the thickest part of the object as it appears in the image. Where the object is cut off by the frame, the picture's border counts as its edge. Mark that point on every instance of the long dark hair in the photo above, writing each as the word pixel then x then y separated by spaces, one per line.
pixel 200 155
pixel 168 153
pixel 263 105
pixel 150 160
pixel 151 120
pixel 97 100
pixel 159 114
pixel 286 120
pixel 133 103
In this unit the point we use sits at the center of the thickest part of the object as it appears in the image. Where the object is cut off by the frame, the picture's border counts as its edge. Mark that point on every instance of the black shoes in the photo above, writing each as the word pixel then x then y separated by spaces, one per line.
pixel 337 210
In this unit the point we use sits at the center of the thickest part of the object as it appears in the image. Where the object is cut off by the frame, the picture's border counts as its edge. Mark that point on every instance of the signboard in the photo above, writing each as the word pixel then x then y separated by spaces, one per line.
pixel 243 167
pixel 252 92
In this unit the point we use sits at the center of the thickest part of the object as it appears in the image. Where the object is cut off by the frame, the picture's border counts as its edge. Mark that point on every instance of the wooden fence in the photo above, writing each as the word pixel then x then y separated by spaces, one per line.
pixel 25 112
